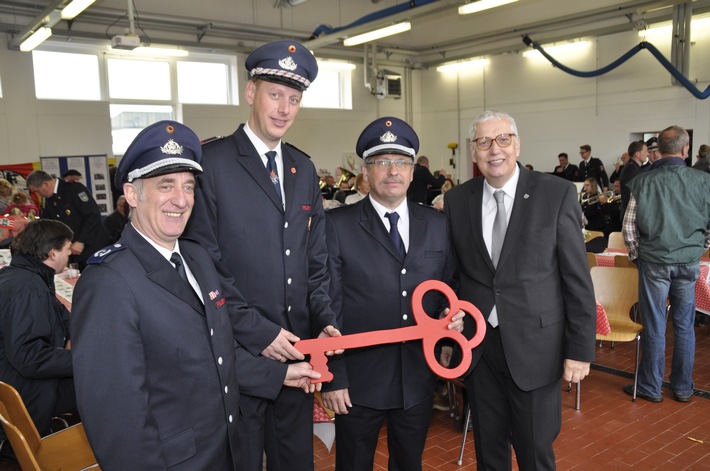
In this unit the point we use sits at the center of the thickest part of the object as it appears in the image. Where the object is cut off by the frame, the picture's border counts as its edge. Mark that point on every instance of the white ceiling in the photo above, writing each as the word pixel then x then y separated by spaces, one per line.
pixel 438 33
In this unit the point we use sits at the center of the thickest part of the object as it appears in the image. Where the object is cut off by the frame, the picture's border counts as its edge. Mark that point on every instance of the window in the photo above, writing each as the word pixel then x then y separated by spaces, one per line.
pixel 66 76
pixel 203 82
pixel 138 79
pixel 128 120
pixel 332 88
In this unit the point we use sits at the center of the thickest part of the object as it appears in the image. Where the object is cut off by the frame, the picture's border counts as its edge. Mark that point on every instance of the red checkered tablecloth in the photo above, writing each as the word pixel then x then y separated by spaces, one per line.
pixel 606 259
pixel 603 326
pixel 702 289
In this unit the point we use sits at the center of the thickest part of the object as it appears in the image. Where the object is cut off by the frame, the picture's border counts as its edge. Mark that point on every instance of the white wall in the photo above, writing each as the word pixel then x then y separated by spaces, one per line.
pixel 555 112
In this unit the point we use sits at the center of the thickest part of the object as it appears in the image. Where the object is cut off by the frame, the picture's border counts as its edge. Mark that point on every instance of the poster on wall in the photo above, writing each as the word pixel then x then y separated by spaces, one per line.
pixel 94 175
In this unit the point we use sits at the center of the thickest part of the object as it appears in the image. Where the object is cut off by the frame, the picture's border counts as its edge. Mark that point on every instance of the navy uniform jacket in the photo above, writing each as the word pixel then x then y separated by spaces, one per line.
pixel 73 205
pixel 277 258
pixel 154 369
pixel 594 168
pixel 371 289
pixel 541 288
pixel 571 172
pixel 422 181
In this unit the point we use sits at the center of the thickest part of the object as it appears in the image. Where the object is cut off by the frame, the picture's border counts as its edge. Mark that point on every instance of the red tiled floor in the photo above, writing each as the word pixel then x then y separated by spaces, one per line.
pixel 609 431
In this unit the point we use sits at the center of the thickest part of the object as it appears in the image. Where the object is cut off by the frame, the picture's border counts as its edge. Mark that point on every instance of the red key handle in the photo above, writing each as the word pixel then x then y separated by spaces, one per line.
pixel 429 330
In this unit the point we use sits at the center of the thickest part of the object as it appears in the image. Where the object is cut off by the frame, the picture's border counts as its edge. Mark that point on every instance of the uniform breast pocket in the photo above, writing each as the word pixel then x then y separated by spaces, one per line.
pixel 433 254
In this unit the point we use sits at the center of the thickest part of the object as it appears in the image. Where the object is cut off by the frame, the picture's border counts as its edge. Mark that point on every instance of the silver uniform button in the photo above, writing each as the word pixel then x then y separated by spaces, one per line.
pixel 404 271
pixel 226 389
pixel 211 332
pixel 289 309
pixel 286 225
pixel 219 360
pixel 404 293
pixel 288 252
pixel 288 281
pixel 230 418
pixel 404 317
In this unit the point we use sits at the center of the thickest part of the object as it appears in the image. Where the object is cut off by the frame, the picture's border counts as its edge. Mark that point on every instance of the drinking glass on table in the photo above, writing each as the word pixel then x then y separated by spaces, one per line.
pixel 73 270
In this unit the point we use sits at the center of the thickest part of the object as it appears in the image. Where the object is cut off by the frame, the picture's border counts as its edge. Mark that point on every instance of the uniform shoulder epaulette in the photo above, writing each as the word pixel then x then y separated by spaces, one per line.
pixel 297 149
pixel 100 257
pixel 336 208
pixel 428 207
pixel 212 139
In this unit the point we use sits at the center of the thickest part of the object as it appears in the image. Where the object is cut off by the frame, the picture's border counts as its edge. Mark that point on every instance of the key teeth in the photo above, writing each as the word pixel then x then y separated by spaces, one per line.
pixel 320 364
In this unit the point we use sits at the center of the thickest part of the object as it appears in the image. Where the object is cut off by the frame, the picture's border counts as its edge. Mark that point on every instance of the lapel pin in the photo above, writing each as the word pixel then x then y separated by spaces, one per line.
pixel 293 169
pixel 526 196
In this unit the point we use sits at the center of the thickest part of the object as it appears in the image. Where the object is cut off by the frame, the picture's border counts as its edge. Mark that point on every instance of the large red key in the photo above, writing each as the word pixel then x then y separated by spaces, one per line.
pixel 429 330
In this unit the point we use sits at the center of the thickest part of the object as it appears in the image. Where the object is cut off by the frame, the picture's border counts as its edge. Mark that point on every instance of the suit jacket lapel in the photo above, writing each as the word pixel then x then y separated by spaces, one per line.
pixel 476 218
pixel 521 208
pixel 417 228
pixel 371 223
pixel 159 270
pixel 290 174
pixel 251 161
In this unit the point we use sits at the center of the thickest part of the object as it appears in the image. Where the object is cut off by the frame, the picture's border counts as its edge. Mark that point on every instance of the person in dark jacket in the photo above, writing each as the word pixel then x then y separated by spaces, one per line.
pixel 116 221
pixel 35 355
pixel 423 181
pixel 72 204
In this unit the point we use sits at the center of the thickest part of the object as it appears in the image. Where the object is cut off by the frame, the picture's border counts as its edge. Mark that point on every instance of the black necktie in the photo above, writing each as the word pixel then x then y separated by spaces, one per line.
pixel 177 261
pixel 394 233
pixel 273 171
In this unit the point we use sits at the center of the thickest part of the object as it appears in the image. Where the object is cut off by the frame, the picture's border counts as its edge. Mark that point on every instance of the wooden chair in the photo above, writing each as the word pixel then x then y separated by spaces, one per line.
pixel 617 290
pixel 591 260
pixel 67 449
pixel 616 241
pixel 593 235
pixel 622 261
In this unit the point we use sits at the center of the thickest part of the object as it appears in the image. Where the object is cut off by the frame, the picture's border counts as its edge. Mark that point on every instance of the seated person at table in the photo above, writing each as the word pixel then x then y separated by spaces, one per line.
pixel 592 206
pixel 22 205
pixel 116 221
pixel 35 356
pixel 611 209
pixel 10 226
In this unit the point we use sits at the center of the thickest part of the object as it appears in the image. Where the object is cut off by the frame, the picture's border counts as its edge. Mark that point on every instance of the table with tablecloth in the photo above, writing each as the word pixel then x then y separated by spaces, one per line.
pixel 702 287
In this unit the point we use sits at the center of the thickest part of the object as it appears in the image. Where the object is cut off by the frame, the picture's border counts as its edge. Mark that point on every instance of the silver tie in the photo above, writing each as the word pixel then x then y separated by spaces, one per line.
pixel 500 224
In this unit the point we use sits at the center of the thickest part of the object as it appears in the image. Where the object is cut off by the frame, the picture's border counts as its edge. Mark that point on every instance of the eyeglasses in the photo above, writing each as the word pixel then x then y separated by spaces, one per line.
pixel 503 140
pixel 384 163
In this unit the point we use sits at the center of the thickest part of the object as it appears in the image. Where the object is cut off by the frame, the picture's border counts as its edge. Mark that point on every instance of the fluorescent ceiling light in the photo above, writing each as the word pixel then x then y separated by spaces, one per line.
pixel 565 49
pixel 481 5
pixel 74 8
pixel 378 33
pixel 37 38
pixel 455 67
pixel 664 29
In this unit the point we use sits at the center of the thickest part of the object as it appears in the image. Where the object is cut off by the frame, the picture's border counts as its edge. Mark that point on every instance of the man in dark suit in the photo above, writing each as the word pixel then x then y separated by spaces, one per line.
pixel 72 204
pixel 423 182
pixel 566 170
pixel 531 281
pixel 591 167
pixel 373 278
pixel 638 159
pixel 260 213
pixel 156 370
